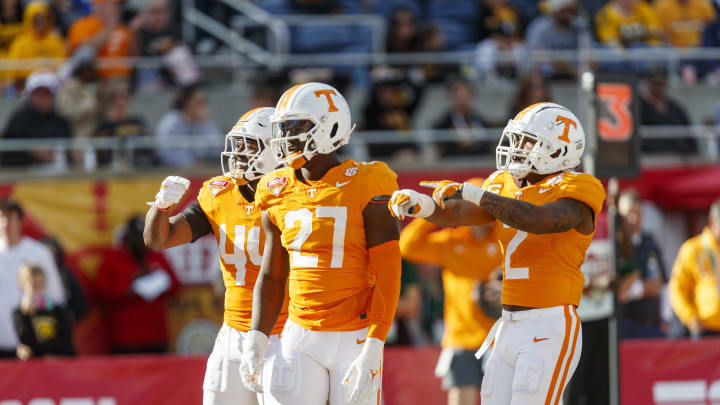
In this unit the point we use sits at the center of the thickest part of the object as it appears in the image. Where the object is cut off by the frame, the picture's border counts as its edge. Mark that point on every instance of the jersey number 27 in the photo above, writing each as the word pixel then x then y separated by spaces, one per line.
pixel 305 217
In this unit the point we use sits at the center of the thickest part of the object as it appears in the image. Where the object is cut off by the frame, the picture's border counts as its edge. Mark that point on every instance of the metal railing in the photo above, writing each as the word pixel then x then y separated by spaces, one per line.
pixel 423 141
pixel 670 56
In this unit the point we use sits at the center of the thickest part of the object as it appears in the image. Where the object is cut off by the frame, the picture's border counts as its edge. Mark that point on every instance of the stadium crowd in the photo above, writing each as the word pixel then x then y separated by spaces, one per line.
pixel 67 39
pixel 73 95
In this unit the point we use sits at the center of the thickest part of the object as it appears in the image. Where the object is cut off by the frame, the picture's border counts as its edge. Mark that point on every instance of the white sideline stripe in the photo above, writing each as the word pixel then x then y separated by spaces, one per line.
pixel 670 391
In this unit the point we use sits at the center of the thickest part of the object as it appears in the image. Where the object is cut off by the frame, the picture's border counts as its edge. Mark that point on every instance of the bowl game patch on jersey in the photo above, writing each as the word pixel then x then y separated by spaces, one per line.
pixel 217 186
pixel 276 185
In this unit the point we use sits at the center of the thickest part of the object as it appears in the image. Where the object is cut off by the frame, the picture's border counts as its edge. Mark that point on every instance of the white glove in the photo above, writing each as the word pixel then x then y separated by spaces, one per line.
pixel 410 203
pixel 364 377
pixel 251 360
pixel 171 191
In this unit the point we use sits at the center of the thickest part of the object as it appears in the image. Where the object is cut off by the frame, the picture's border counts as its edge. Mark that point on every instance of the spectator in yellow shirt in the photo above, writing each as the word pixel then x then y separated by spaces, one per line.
pixel 684 20
pixel 38 41
pixel 468 256
pixel 695 281
pixel 628 23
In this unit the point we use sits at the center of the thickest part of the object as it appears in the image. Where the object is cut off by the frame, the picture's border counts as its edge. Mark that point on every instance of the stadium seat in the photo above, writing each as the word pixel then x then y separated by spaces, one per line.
pixel 456 33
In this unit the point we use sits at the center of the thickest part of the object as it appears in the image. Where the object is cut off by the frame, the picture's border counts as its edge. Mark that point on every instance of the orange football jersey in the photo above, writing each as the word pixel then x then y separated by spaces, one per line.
pixel 324 233
pixel 465 261
pixel 238 231
pixel 544 270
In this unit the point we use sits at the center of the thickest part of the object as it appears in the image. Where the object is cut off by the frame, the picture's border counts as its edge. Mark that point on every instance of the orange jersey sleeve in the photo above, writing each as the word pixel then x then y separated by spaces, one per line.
pixel 420 243
pixel 238 232
pixel 323 231
pixel 544 270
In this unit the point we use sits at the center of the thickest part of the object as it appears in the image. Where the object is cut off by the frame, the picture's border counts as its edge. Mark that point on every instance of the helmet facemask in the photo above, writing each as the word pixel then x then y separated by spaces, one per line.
pixel 518 151
pixel 246 157
pixel 292 142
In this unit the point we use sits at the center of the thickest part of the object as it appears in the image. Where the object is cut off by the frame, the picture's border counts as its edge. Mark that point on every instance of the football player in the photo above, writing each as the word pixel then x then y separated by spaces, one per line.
pixel 470 258
pixel 226 208
pixel 545 216
pixel 329 233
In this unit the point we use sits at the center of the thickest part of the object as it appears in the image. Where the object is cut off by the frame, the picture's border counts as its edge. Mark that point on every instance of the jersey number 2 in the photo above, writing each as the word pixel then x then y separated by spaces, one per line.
pixel 516 273
pixel 305 217
pixel 237 257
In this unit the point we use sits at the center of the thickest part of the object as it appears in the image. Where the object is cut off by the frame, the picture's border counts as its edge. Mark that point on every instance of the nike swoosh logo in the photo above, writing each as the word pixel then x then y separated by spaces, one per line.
pixel 359 341
pixel 339 184
pixel 535 339
pixel 374 373
pixel 542 190
pixel 260 124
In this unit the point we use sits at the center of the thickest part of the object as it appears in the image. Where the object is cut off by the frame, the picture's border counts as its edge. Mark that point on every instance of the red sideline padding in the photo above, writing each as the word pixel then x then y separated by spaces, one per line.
pixel 670 372
pixel 170 380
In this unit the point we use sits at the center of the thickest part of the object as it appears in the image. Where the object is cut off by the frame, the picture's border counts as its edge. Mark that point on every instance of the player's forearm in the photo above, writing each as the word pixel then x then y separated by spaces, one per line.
pixel 157 228
pixel 268 297
pixel 460 213
pixel 527 217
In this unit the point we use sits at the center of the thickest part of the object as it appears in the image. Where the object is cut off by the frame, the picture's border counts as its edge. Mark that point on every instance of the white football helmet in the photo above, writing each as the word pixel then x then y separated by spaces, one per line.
pixel 247 155
pixel 543 138
pixel 310 119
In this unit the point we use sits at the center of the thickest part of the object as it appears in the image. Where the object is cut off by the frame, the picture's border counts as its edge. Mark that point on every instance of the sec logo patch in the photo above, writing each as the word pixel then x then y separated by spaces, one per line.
pixel 351 171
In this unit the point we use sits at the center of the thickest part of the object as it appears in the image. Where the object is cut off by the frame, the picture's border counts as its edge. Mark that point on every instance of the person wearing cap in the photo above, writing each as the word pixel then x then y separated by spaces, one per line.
pixel 39 41
pixel 35 119
pixel 558 30
pixel 104 30
pixel 470 259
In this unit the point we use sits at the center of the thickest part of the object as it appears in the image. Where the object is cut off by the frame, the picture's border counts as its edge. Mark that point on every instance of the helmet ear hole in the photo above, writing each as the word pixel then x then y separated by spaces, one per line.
pixel 334 130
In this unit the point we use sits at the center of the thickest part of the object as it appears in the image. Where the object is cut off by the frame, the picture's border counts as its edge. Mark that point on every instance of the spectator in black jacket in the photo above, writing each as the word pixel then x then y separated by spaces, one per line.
pixel 468 125
pixel 36 119
pixel 657 109
pixel 43 327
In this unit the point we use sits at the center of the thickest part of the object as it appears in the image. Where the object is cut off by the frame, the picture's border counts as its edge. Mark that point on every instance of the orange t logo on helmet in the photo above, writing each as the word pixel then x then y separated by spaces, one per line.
pixel 327 93
pixel 568 122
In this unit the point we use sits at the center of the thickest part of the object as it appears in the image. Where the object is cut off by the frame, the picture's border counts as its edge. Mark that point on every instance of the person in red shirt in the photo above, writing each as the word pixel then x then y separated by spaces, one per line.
pixel 133 283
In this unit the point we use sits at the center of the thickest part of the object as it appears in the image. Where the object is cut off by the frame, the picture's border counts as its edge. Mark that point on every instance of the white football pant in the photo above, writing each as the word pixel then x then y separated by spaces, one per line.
pixel 223 385
pixel 311 366
pixel 534 356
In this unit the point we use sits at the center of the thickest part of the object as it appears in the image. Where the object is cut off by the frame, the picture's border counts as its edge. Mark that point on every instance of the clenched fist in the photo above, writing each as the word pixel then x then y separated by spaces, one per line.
pixel 171 192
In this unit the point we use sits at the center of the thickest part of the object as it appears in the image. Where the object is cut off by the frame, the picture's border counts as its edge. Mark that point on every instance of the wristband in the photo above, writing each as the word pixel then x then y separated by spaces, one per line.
pixel 472 193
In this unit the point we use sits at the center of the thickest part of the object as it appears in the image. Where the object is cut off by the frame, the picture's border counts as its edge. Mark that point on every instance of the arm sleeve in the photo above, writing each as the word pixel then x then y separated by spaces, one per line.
pixel 418 243
pixel 386 264
pixel 682 285
pixel 198 221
